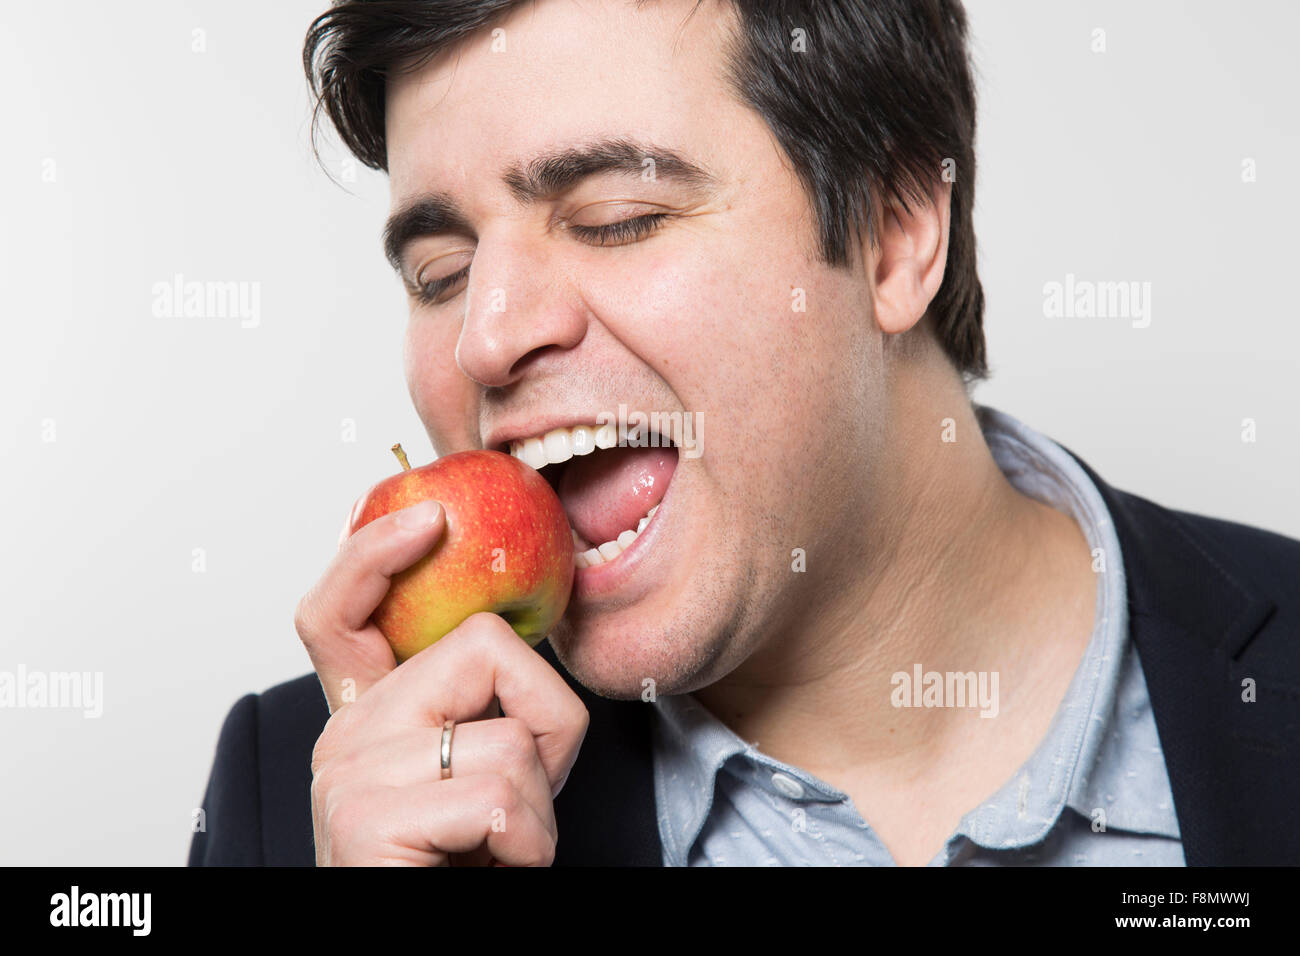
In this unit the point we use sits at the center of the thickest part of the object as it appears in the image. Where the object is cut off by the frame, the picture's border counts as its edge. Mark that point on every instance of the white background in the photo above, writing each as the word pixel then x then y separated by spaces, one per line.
pixel 176 434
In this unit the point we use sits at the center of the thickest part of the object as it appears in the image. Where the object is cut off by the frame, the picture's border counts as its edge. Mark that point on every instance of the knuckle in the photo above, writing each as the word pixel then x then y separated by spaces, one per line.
pixel 341 768
pixel 498 793
pixel 481 619
pixel 576 720
pixel 581 719
pixel 516 738
pixel 305 616
pixel 324 770
pixel 320 755
pixel 514 745
pixel 335 727
pixel 487 626
pixel 322 783
pixel 330 740
pixel 474 640
pixel 344 815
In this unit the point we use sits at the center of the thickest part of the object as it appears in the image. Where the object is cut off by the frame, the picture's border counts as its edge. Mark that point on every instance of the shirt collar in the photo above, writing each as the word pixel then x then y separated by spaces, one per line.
pixel 691 746
pixel 1076 764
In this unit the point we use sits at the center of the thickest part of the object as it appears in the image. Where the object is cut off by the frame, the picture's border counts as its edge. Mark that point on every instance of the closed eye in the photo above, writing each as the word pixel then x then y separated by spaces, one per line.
pixel 611 234
pixel 625 230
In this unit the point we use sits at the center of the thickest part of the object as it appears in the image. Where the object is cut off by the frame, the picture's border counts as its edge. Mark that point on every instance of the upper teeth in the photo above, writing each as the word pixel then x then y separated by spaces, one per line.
pixel 561 444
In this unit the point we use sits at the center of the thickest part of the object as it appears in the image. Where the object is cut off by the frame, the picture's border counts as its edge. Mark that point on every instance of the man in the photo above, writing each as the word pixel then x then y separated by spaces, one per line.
pixel 871 623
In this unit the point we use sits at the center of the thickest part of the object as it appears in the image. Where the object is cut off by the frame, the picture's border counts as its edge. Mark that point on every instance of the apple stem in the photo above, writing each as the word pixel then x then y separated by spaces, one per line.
pixel 401 456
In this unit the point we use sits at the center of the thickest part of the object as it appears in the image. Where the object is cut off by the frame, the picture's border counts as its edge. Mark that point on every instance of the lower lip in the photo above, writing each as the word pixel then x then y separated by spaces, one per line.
pixel 601 579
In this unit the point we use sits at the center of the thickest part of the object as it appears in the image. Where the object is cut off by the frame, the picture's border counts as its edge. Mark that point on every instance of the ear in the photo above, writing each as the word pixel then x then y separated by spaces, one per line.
pixel 910 260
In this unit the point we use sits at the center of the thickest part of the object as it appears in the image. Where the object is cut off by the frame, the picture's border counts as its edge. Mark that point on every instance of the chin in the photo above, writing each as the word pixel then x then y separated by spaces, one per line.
pixel 615 661
pixel 681 619
pixel 607 665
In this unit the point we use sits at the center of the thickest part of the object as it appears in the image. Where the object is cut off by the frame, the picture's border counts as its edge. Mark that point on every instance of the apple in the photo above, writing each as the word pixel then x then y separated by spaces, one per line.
pixel 507 548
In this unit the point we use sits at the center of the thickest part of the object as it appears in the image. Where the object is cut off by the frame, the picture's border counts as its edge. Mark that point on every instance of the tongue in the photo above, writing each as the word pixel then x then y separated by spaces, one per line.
pixel 610 490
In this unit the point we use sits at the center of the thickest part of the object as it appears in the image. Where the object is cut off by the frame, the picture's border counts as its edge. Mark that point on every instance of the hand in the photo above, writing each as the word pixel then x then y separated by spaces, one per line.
pixel 377 792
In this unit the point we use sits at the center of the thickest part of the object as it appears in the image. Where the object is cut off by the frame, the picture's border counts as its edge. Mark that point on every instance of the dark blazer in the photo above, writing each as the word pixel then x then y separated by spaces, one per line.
pixel 1211 603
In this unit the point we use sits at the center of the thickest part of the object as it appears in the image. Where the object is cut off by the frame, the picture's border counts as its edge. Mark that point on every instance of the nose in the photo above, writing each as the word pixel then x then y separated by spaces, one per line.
pixel 518 306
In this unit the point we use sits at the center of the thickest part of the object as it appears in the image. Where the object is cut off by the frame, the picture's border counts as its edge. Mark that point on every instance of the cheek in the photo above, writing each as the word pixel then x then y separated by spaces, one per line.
pixel 701 321
pixel 724 334
pixel 417 364
pixel 753 341
pixel 440 393
pixel 774 350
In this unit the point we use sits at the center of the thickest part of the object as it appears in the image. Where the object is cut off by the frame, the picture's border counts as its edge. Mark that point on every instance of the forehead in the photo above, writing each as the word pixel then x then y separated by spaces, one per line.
pixel 555 72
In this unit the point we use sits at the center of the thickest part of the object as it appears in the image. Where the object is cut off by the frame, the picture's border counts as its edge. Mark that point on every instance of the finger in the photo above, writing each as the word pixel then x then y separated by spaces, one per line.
pixel 333 619
pixel 502 746
pixel 422 825
pixel 460 675
pixel 370 557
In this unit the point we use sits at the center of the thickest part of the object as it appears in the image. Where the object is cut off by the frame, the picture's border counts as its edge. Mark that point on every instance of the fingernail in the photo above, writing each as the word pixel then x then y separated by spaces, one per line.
pixel 418 517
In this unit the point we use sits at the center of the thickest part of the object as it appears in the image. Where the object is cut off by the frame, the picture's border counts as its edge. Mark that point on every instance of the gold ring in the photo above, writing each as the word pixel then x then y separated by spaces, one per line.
pixel 446 748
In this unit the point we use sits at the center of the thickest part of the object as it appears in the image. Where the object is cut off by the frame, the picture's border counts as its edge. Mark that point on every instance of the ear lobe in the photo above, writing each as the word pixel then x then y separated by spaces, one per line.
pixel 912 254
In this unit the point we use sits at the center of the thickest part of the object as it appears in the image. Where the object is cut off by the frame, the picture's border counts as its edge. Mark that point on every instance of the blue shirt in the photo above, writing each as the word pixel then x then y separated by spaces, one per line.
pixel 1095 792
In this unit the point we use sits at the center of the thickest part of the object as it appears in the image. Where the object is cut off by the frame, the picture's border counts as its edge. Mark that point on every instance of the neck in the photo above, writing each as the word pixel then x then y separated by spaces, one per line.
pixel 956 571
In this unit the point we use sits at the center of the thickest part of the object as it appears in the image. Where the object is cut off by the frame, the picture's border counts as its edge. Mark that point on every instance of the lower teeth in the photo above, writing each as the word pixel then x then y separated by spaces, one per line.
pixel 603 554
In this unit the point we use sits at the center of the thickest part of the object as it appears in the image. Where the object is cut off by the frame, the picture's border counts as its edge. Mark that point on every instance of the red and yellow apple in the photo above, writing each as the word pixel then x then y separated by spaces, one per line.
pixel 507 548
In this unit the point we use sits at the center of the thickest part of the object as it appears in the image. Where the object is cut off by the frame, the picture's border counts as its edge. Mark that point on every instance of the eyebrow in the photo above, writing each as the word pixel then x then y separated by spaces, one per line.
pixel 545 176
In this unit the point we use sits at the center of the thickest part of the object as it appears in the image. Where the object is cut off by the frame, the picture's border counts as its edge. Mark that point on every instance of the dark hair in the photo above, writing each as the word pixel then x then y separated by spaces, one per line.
pixel 880 105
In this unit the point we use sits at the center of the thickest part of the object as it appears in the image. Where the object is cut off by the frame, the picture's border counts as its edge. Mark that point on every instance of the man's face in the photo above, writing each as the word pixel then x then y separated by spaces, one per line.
pixel 722 311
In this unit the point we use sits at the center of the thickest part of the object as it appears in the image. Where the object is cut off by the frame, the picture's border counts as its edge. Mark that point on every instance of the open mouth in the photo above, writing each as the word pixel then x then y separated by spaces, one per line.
pixel 610 491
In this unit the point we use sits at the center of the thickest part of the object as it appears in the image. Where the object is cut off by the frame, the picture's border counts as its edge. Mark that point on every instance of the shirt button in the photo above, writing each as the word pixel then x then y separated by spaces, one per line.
pixel 787 785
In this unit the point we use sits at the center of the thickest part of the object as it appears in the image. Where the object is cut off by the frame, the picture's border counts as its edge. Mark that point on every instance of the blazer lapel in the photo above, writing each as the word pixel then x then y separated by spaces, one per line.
pixel 1192 614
